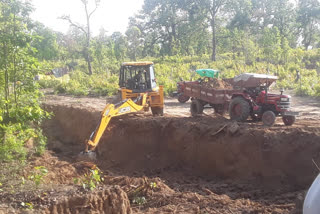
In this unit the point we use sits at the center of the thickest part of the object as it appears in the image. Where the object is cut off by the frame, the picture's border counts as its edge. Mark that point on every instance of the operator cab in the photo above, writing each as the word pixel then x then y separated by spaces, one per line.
pixel 138 77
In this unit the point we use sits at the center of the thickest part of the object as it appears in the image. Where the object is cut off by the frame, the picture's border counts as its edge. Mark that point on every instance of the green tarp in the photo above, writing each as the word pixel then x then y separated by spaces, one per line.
pixel 208 73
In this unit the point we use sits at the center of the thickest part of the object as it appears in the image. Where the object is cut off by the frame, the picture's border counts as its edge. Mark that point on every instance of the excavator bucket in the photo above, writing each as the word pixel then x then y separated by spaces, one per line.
pixel 87 156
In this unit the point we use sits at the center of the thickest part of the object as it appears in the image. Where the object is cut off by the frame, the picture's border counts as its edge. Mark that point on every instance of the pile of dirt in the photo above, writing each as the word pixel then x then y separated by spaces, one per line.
pixel 216 84
pixel 67 199
pixel 59 171
pixel 111 200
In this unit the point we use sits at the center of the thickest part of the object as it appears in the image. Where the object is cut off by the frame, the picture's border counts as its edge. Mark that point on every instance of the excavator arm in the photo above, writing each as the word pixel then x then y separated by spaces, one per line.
pixel 113 110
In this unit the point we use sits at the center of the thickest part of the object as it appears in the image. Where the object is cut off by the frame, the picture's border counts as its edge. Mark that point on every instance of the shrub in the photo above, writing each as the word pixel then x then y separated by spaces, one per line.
pixel 21 126
pixel 81 84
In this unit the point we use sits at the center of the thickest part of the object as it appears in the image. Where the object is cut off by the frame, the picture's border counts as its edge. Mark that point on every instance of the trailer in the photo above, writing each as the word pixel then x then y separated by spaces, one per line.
pixel 204 97
pixel 249 97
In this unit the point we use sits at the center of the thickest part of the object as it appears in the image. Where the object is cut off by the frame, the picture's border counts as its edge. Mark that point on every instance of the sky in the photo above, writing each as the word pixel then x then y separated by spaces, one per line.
pixel 112 15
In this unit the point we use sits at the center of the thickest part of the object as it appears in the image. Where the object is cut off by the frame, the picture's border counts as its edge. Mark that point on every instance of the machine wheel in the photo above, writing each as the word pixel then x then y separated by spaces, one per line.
pixel 239 109
pixel 183 98
pixel 157 111
pixel 196 107
pixel 288 120
pixel 268 118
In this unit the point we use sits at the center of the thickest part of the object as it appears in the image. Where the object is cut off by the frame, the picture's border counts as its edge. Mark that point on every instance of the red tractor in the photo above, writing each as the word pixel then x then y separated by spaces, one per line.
pixel 255 100
pixel 249 97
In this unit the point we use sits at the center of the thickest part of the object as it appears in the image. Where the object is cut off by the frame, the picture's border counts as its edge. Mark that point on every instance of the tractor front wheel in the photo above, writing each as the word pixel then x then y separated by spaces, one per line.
pixel 288 120
pixel 268 118
pixel 196 107
pixel 239 109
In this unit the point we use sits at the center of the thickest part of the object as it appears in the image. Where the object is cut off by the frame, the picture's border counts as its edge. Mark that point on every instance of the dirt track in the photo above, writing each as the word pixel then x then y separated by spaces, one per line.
pixel 199 165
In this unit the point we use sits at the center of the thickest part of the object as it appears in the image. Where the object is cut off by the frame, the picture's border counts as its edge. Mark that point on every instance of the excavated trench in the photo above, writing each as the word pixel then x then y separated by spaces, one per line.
pixel 211 147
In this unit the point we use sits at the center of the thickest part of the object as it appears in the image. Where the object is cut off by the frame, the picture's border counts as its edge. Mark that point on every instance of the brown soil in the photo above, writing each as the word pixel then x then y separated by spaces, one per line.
pixel 69 200
pixel 205 144
pixel 216 83
pixel 172 164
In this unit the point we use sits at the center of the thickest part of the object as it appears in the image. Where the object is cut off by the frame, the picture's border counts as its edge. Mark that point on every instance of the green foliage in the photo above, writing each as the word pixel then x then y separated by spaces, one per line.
pixel 90 180
pixel 153 185
pixel 270 43
pixel 139 200
pixel 38 175
pixel 178 36
pixel 14 138
pixel 27 205
pixel 50 83
pixel 20 111
pixel 308 84
pixel 45 42
pixel 83 84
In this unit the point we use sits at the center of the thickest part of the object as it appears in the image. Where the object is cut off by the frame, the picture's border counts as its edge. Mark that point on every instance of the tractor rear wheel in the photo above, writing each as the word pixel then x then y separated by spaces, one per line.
pixel 268 118
pixel 288 120
pixel 239 109
pixel 183 98
pixel 157 111
pixel 196 107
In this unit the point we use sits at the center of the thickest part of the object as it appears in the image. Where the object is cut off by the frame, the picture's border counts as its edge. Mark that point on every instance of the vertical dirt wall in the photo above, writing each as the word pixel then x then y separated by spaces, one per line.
pixel 277 156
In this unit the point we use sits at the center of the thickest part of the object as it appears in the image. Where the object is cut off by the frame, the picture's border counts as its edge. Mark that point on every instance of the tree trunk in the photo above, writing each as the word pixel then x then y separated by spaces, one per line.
pixel 14 62
pixel 88 41
pixel 135 53
pixel 214 39
pixel 89 65
pixel 88 52
pixel 6 82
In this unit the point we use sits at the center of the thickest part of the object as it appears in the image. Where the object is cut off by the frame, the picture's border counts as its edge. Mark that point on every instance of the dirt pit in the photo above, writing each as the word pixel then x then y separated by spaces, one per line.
pixel 205 164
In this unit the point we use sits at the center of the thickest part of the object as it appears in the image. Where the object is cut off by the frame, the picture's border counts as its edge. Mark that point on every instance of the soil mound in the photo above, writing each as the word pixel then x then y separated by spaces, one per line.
pixel 111 200
pixel 216 84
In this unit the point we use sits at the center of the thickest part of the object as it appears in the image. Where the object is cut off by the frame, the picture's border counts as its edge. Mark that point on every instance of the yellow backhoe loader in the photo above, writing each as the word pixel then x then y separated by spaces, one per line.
pixel 138 91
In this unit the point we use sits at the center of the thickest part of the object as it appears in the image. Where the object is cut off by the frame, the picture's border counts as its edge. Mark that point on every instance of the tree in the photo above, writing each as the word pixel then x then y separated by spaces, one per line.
pixel 214 7
pixel 120 45
pixel 15 52
pixel 134 40
pixel 271 44
pixel 309 20
pixel 20 111
pixel 45 42
pixel 103 50
pixel 85 30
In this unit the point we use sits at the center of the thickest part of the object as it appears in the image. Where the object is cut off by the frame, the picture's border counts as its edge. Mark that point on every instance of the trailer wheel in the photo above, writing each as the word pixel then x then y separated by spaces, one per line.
pixel 196 107
pixel 268 118
pixel 157 111
pixel 288 120
pixel 183 98
pixel 218 109
pixel 239 109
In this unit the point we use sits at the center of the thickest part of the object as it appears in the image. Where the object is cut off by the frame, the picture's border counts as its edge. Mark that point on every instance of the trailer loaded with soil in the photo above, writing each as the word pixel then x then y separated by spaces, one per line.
pixel 246 95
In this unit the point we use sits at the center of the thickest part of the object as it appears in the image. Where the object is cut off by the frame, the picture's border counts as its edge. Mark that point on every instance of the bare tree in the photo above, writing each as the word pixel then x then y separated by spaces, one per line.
pixel 85 29
pixel 214 7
